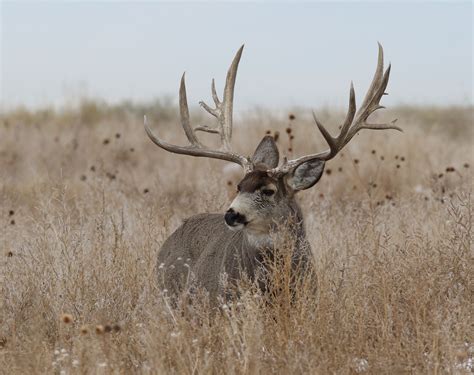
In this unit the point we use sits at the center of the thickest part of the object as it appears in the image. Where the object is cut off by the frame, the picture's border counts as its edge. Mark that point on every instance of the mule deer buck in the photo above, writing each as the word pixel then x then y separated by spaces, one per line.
pixel 206 246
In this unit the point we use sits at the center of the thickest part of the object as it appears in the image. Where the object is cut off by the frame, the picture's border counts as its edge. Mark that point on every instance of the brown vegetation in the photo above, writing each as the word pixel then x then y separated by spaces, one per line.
pixel 86 200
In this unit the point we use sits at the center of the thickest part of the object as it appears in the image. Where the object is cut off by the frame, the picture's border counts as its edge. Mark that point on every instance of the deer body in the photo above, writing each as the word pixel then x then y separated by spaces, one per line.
pixel 204 248
pixel 208 246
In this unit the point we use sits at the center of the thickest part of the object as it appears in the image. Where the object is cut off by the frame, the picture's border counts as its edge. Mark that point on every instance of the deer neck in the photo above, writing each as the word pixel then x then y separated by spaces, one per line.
pixel 292 220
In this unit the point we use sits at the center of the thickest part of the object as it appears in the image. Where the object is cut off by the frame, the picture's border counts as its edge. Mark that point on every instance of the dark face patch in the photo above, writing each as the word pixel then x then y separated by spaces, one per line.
pixel 253 181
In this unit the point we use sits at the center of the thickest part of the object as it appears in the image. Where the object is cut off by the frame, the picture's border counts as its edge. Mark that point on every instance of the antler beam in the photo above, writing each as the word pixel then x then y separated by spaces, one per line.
pixel 223 113
pixel 354 121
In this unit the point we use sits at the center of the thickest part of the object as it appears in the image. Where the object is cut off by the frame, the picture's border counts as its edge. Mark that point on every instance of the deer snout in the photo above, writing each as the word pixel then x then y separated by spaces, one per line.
pixel 234 219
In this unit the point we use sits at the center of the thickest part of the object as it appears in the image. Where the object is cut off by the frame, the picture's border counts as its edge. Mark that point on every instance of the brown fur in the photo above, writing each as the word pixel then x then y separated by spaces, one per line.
pixel 254 181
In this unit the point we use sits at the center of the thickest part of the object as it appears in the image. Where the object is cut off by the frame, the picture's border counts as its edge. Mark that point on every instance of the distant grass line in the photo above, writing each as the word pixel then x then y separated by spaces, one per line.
pixel 86 200
pixel 92 111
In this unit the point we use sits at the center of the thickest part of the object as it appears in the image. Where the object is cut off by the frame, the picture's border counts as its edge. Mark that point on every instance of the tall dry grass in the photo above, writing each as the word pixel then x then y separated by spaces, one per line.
pixel 86 201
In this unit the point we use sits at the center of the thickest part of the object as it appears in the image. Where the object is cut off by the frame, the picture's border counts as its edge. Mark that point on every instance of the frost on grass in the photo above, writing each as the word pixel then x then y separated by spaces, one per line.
pixel 81 223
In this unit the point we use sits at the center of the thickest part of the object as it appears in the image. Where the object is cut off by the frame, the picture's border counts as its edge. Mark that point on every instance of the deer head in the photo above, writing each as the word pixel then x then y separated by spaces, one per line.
pixel 266 193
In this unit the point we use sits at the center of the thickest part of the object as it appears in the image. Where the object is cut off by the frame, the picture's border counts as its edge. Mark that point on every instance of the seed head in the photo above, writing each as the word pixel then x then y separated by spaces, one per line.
pixel 12 222
pixel 116 328
pixel 276 135
pixel 466 165
pixel 268 132
pixel 288 130
pixel 146 191
pixel 83 177
pixel 92 168
pixel 106 141
pixel 356 161
pixel 84 330
pixel 99 329
pixel 132 149
pixel 108 328
pixel 11 212
pixel 117 135
pixel 450 169
pixel 328 171
pixel 373 152
pixel 67 318
pixel 291 117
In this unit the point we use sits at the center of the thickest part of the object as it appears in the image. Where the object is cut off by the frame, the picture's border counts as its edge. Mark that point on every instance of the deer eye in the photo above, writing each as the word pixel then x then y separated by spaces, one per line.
pixel 268 192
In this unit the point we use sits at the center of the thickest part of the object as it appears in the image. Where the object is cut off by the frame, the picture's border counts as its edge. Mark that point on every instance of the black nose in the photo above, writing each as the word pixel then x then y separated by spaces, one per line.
pixel 233 218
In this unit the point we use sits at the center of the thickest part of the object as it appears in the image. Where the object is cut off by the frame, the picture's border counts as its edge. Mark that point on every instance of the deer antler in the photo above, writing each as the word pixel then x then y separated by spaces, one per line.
pixel 354 122
pixel 223 113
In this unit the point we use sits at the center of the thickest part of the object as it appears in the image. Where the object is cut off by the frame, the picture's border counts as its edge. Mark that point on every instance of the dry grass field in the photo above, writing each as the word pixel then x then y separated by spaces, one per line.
pixel 86 200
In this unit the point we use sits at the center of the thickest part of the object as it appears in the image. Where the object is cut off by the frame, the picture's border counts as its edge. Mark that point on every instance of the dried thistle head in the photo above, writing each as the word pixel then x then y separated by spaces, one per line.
pixel 67 318
pixel 116 327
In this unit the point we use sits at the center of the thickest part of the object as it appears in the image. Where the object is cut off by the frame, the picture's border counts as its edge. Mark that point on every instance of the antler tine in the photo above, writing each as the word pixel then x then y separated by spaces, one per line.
pixel 351 126
pixel 196 148
pixel 184 112
pixel 229 93
pixel 224 109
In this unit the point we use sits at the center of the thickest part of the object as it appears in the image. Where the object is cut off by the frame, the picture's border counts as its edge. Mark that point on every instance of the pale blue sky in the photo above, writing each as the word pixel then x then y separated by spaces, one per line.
pixel 296 54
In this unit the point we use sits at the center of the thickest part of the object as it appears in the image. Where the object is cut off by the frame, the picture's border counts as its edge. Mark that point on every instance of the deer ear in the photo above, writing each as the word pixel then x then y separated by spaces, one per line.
pixel 305 175
pixel 266 153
